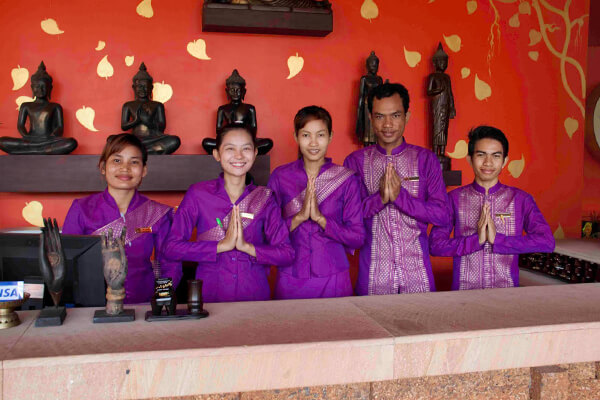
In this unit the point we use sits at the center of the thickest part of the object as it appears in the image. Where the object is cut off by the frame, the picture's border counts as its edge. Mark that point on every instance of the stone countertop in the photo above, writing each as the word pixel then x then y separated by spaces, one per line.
pixel 282 344
pixel 584 249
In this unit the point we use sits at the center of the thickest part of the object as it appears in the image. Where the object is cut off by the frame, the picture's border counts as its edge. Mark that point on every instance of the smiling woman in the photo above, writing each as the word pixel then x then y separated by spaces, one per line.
pixel 240 230
pixel 123 165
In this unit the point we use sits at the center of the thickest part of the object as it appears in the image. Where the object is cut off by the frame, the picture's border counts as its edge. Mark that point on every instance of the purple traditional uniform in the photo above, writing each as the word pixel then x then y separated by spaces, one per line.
pixel 147 223
pixel 321 267
pixel 490 266
pixel 231 275
pixel 395 257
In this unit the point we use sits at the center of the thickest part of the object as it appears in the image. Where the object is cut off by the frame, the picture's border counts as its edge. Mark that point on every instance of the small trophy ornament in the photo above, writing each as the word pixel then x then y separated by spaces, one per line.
pixel 164 295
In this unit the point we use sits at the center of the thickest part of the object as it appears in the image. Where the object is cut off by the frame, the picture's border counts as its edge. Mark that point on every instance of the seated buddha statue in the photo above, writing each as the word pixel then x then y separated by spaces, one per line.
pixel 237 112
pixel 146 118
pixel 45 122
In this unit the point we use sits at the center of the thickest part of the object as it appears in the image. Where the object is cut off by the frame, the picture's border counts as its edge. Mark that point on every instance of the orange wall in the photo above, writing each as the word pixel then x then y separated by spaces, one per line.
pixel 591 165
pixel 528 100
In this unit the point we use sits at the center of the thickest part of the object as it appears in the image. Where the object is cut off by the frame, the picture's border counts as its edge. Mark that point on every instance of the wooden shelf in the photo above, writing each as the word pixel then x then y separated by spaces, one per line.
pixel 79 173
pixel 246 18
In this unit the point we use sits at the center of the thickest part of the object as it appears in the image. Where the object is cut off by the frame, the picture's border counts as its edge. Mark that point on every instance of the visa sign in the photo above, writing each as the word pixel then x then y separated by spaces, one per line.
pixel 11 290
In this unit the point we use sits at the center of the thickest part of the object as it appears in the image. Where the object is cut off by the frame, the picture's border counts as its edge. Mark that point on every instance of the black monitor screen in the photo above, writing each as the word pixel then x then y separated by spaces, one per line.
pixel 84 281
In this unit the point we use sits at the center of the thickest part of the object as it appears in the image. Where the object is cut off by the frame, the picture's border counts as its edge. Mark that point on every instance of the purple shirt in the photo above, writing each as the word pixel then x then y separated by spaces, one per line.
pixel 231 275
pixel 395 257
pixel 490 266
pixel 91 213
pixel 320 253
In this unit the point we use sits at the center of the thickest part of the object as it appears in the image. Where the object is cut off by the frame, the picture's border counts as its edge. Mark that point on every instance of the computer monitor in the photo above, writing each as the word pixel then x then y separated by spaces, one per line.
pixel 84 280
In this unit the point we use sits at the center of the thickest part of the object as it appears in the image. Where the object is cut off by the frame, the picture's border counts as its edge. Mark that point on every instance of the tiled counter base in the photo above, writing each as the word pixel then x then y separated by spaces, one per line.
pixel 497 344
pixel 561 382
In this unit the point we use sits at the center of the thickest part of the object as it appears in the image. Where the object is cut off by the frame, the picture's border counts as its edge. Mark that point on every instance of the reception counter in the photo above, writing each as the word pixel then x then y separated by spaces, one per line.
pixel 258 346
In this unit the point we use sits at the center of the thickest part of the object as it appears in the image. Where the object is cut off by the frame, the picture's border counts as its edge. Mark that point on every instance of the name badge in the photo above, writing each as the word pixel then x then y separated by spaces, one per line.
pixel 411 178
pixel 502 216
pixel 11 290
pixel 247 215
pixel 146 229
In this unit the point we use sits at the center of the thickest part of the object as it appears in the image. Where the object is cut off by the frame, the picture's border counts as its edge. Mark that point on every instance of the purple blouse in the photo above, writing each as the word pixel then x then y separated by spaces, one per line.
pixel 231 275
pixel 320 253
pixel 91 213
pixel 490 266
pixel 395 257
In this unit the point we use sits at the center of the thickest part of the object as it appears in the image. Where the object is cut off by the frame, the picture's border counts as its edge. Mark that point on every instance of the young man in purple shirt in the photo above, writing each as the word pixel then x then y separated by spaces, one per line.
pixel 488 219
pixel 402 191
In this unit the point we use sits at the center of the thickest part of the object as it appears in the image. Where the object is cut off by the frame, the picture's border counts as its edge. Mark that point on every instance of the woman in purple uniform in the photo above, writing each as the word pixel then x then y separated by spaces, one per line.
pixel 240 233
pixel 321 205
pixel 123 165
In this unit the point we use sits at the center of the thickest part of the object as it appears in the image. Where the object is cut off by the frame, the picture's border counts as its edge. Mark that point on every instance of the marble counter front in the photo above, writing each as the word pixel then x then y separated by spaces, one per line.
pixel 284 344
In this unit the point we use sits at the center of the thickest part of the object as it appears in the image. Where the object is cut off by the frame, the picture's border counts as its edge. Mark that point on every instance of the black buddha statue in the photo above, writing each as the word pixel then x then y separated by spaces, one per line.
pixel 439 89
pixel 146 118
pixel 45 122
pixel 364 130
pixel 237 112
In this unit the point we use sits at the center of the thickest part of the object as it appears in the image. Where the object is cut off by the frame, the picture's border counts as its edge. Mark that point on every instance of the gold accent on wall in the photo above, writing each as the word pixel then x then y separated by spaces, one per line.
pixel 295 65
pixel 544 30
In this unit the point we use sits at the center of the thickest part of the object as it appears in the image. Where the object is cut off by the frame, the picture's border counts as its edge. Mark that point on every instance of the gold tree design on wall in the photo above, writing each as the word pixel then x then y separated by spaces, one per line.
pixel 545 30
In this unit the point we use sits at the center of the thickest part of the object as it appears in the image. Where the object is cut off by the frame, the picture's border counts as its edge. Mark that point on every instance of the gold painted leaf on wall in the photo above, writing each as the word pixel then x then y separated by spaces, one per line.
pixel 85 116
pixel 23 99
pixel 197 49
pixel 571 126
pixel 534 37
pixel 471 6
pixel 105 68
pixel 32 213
pixel 534 55
pixel 482 89
pixel 50 26
pixel 413 58
pixel 461 149
pixel 525 8
pixel 295 65
pixel 145 9
pixel 453 42
pixel 19 77
pixel 516 167
pixel 162 92
pixel 369 10
pixel 101 45
pixel 559 233
pixel 465 72
pixel 129 60
pixel 514 21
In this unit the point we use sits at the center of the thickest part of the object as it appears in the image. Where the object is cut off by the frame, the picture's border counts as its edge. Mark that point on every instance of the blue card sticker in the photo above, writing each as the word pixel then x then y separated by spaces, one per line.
pixel 11 290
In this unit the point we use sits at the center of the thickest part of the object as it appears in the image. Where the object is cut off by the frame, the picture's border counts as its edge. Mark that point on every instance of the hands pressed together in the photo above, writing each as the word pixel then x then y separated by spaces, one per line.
pixel 389 185
pixel 234 236
pixel 486 229
pixel 310 207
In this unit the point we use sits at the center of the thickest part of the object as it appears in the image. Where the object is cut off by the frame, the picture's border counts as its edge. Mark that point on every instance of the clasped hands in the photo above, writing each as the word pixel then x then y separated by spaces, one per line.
pixel 389 185
pixel 486 229
pixel 310 207
pixel 234 236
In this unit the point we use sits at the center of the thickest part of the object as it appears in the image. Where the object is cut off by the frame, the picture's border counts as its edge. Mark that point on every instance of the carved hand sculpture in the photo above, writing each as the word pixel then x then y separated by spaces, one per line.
pixel 52 259
pixel 115 270
pixel 115 261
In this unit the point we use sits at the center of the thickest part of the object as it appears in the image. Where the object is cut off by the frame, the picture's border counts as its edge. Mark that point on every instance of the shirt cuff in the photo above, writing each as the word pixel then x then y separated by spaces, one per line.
pixel 499 241
pixel 472 244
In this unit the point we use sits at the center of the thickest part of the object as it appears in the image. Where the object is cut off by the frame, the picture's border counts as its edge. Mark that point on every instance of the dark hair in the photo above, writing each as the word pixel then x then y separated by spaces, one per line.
pixel 116 143
pixel 311 113
pixel 388 90
pixel 232 127
pixel 487 132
